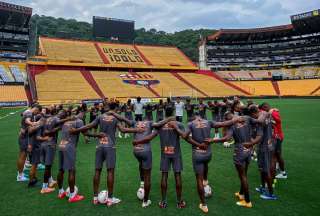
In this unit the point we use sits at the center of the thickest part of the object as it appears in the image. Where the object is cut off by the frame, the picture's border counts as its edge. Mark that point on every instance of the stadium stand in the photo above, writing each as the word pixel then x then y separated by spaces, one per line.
pixel 235 62
pixel 112 55
pixel 79 62
pixel 261 53
pixel 62 86
pixel 17 74
pixel 14 72
pixel 211 86
pixel 286 87
pixel 14 43
pixel 69 50
pixel 245 75
pixel 286 52
pixel 5 74
pixel 296 73
pixel 298 87
pixel 53 86
pixel 14 31
pixel 257 88
pixel 12 93
pixel 165 56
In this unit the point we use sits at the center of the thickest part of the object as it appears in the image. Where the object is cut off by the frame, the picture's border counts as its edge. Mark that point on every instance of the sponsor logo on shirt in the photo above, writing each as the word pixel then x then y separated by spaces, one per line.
pixel 108 118
pixel 166 127
pixel 200 124
pixel 139 147
pixel 104 141
pixel 201 151
pixel 63 143
pixel 169 150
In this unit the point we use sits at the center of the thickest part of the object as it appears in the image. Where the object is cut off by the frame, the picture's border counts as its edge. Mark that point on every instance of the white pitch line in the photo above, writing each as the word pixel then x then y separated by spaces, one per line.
pixel 9 114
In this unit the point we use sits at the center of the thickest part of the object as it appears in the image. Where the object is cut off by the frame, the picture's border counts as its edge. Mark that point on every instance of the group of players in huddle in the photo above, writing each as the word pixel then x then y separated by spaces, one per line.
pixel 252 128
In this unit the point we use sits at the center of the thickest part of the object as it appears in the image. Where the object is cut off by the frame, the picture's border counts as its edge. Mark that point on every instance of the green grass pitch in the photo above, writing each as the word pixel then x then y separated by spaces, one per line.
pixel 298 195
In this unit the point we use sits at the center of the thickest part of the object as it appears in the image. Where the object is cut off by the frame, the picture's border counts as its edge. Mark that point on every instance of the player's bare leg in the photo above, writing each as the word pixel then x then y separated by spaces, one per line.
pixel 46 176
pixel 73 196
pixel 180 202
pixel 164 186
pixel 205 174
pixel 200 188
pixel 141 173
pixel 244 194
pixel 110 182
pixel 32 175
pixel 96 184
pixel 279 159
pixel 273 166
pixel 21 160
pixel 147 185
pixel 72 180
pixel 62 194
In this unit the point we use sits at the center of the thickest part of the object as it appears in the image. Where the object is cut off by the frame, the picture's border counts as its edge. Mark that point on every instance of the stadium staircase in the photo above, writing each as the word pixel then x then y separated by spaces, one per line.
pixel 208 85
pixel 226 87
pixel 179 77
pixel 276 87
pixel 316 91
pixel 145 59
pixel 88 76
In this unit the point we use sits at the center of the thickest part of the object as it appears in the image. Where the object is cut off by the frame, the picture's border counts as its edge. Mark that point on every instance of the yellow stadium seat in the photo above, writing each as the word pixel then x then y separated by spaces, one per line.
pixel 5 66
pixel 256 87
pixel 63 85
pixel 68 50
pixel 164 56
pixel 211 86
pixel 114 55
pixel 298 87
pixel 259 74
pixel 12 93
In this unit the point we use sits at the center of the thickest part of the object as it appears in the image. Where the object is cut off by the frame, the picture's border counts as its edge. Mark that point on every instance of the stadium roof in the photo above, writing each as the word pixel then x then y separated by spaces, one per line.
pixel 14 17
pixel 15 8
pixel 251 34
pixel 306 23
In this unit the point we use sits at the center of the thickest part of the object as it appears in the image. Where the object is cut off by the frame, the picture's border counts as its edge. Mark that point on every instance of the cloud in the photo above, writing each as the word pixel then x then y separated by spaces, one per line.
pixel 175 15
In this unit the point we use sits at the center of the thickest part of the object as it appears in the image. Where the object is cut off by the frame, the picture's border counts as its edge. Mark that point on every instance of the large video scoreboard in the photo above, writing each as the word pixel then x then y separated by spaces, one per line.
pixel 306 15
pixel 113 29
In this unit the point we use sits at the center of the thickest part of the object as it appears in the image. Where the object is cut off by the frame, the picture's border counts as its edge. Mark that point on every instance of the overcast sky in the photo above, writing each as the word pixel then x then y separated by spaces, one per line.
pixel 175 15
